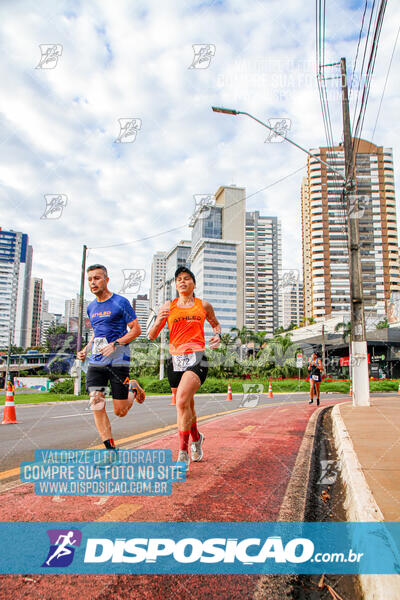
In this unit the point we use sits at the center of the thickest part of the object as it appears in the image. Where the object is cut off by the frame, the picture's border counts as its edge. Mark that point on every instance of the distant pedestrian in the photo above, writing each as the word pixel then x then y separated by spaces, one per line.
pixel 315 369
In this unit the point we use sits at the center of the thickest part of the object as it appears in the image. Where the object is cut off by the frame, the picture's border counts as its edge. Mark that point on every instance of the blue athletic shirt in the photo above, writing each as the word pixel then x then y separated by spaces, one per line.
pixel 109 321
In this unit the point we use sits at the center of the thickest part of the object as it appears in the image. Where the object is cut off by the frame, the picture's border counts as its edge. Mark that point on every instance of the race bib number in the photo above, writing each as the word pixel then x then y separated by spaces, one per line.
pixel 98 344
pixel 315 377
pixel 181 362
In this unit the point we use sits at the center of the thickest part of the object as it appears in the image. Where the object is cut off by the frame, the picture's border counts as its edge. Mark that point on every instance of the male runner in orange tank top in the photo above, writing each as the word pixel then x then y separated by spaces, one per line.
pixel 187 366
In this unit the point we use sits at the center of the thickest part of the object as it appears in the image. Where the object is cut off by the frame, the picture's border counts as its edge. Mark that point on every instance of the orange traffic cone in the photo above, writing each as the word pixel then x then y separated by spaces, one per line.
pixel 270 394
pixel 351 388
pixel 229 395
pixel 173 400
pixel 9 409
pixel 398 391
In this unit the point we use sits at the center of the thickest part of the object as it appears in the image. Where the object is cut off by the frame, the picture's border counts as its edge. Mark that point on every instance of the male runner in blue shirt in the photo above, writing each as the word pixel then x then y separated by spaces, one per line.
pixel 111 315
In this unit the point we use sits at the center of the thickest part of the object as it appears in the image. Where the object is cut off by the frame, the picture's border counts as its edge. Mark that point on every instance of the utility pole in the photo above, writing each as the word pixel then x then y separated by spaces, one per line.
pixel 162 342
pixel 6 374
pixel 77 380
pixel 359 351
pixel 323 348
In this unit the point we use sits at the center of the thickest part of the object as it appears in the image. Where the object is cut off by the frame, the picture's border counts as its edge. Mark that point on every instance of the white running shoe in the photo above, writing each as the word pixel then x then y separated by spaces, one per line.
pixel 183 456
pixel 196 449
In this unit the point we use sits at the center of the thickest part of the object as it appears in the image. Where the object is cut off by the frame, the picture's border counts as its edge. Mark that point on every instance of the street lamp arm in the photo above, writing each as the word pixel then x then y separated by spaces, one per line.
pixel 239 112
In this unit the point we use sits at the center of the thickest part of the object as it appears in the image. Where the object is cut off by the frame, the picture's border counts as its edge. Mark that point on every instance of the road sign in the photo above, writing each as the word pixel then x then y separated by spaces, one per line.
pixel 299 361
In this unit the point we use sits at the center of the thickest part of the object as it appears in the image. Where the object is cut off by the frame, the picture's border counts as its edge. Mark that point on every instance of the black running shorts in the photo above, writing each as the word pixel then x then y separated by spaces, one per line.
pixel 177 366
pixel 115 376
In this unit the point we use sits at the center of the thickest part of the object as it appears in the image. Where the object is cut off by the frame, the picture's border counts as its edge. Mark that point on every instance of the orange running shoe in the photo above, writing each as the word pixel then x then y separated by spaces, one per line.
pixel 137 391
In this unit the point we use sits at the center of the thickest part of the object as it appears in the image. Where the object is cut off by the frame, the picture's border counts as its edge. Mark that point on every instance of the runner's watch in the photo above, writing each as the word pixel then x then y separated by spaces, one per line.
pixel 116 343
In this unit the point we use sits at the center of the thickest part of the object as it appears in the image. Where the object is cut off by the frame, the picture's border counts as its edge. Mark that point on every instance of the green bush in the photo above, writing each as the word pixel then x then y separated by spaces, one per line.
pixel 63 387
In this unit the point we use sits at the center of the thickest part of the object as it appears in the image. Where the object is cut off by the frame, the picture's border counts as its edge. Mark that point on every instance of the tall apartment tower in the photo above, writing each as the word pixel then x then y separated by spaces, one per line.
pixel 178 256
pixel 262 272
pixel 291 303
pixel 157 276
pixel 324 226
pixel 72 312
pixel 217 256
pixel 35 312
pixel 141 306
pixel 15 278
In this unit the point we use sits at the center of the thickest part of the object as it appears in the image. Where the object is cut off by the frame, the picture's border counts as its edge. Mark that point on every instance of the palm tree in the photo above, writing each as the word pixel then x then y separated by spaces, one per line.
pixel 384 324
pixel 346 326
pixel 244 334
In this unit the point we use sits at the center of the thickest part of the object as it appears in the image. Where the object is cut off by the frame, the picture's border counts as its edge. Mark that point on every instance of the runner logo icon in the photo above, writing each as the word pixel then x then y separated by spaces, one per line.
pixel 61 551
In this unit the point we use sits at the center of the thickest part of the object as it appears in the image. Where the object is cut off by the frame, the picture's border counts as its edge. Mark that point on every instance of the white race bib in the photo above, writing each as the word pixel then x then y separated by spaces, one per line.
pixel 315 377
pixel 98 344
pixel 182 361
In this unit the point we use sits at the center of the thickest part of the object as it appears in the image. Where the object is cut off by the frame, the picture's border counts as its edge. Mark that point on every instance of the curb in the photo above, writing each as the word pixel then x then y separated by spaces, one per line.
pixel 293 507
pixel 360 506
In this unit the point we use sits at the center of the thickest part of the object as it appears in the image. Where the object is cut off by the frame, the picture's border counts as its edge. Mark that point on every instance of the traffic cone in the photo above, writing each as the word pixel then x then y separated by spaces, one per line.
pixel 229 395
pixel 9 409
pixel 270 394
pixel 173 400
pixel 351 388
pixel 398 391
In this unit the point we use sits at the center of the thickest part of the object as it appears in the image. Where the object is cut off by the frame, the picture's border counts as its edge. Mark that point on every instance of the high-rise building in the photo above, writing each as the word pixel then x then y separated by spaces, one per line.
pixel 217 256
pixel 291 303
pixel 141 306
pixel 157 275
pixel 325 245
pixel 72 312
pixel 178 256
pixel 262 272
pixel 15 276
pixel 34 311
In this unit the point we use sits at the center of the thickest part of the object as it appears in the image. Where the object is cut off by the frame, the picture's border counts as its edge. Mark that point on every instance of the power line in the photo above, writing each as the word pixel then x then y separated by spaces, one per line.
pixel 358 46
pixel 384 87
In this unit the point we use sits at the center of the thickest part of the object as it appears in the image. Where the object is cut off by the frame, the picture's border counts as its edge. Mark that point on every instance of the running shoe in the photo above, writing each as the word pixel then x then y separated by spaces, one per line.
pixel 137 391
pixel 196 449
pixel 183 456
pixel 108 458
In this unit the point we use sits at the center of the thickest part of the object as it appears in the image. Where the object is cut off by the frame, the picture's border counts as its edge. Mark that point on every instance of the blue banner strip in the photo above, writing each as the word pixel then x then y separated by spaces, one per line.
pixel 200 548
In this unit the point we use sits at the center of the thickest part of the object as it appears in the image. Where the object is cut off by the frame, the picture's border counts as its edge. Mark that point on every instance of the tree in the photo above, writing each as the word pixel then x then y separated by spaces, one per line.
pixel 384 324
pixel 346 326
pixel 53 331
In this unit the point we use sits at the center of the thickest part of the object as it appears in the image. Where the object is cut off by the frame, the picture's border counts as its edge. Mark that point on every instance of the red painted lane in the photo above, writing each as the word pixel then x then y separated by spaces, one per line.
pixel 243 477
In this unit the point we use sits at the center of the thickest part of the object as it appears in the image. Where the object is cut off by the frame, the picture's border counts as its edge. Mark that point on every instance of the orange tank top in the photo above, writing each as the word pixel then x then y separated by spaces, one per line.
pixel 186 328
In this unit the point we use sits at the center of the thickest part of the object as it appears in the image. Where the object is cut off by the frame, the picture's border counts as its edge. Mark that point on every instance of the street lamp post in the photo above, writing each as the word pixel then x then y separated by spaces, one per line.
pixel 360 371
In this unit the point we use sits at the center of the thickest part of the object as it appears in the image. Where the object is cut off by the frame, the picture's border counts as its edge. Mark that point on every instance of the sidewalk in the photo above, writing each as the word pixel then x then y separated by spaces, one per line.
pixel 375 433
pixel 367 440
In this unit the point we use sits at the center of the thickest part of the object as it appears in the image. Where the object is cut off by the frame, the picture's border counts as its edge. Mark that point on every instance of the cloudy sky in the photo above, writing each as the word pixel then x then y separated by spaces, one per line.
pixel 60 128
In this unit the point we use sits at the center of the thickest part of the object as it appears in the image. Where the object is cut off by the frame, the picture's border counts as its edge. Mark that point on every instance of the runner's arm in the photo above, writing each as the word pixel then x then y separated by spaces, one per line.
pixel 82 353
pixel 160 321
pixel 135 331
pixel 212 319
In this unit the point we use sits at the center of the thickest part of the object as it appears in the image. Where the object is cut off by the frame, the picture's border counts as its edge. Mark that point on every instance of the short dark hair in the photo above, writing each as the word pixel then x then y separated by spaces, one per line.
pixel 93 267
pixel 185 270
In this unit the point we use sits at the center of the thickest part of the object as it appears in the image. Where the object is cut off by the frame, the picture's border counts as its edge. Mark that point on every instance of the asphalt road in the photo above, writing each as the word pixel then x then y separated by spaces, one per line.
pixel 71 424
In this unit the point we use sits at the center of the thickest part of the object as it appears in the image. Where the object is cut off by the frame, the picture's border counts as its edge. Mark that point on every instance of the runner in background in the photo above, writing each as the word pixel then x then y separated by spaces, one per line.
pixel 315 369
pixel 187 365
pixel 114 325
